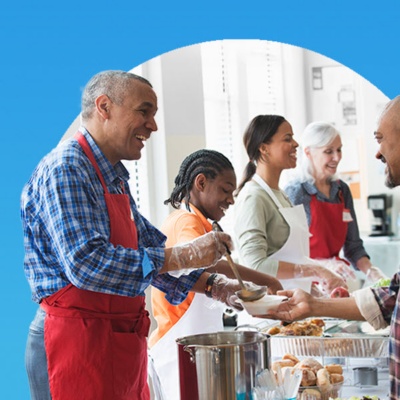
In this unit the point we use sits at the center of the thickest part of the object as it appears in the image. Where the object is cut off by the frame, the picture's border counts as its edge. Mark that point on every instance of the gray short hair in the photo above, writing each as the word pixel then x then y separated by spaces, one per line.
pixel 315 135
pixel 114 84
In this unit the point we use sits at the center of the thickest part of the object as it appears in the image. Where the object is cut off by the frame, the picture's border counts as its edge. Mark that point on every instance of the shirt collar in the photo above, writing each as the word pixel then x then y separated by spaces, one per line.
pixel 110 173
pixel 206 223
pixel 310 188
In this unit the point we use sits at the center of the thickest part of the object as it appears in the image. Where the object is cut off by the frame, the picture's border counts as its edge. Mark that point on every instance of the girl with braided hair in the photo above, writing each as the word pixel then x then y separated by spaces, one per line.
pixel 203 192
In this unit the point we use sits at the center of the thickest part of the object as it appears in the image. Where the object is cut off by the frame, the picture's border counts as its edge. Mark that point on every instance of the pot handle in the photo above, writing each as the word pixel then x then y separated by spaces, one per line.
pixel 216 352
pixel 191 352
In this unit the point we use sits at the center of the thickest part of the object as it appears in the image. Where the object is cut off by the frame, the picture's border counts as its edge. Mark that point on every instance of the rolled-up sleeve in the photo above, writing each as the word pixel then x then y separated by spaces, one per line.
pixel 377 304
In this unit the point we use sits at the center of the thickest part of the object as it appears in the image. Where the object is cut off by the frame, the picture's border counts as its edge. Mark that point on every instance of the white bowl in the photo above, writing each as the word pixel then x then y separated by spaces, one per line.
pixel 268 302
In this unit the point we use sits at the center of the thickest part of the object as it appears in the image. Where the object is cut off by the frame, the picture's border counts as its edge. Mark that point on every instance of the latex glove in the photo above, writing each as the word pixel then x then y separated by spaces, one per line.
pixel 328 280
pixel 374 274
pixel 317 291
pixel 339 267
pixel 224 290
pixel 201 252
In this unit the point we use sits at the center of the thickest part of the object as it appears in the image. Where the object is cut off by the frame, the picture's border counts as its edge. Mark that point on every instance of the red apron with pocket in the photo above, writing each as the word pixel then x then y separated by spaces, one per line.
pixel 328 228
pixel 96 343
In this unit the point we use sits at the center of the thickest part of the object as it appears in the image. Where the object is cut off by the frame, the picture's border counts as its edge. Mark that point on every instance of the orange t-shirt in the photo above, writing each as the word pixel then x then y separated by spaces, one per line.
pixel 180 226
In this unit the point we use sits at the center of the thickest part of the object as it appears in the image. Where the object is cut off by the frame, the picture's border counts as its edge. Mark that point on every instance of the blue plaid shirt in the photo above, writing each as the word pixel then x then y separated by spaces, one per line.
pixel 66 231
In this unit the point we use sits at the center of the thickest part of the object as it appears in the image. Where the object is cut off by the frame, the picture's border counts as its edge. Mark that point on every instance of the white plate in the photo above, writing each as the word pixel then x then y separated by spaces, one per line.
pixel 260 307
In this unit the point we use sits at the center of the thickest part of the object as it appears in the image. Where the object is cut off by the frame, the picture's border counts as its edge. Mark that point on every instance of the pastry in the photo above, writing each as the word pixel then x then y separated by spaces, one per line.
pixel 336 378
pixel 289 356
pixel 308 378
pixel 310 363
pixel 334 368
pixel 282 363
pixel 323 381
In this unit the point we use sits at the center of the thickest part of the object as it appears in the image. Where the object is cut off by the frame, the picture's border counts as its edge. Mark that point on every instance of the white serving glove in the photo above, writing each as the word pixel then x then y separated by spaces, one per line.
pixel 374 274
pixel 224 290
pixel 339 267
pixel 202 252
pixel 328 280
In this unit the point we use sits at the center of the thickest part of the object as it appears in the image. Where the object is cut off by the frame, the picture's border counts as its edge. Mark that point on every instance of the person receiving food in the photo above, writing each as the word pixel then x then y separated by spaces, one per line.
pixel 272 234
pixel 328 203
pixel 380 306
pixel 90 254
pixel 203 192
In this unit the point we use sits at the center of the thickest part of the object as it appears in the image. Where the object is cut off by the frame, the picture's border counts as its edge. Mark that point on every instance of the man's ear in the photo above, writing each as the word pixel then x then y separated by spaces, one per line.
pixel 103 105
pixel 200 182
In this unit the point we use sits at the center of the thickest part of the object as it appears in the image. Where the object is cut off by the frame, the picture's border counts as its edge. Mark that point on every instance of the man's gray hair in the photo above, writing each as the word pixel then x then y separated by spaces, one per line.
pixel 114 84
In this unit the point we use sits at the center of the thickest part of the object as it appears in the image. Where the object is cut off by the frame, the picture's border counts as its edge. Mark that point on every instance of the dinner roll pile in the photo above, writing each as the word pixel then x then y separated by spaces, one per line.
pixel 324 378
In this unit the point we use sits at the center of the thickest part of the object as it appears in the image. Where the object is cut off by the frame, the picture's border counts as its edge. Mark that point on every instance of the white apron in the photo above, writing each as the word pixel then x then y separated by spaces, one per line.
pixel 296 249
pixel 204 315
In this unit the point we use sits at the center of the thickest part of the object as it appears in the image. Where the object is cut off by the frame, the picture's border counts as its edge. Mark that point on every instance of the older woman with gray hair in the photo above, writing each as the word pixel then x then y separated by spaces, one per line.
pixel 328 202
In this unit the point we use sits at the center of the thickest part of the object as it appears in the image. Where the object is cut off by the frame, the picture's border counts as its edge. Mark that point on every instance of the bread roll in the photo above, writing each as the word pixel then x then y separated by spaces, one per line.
pixel 334 368
pixel 282 363
pixel 308 378
pixel 323 380
pixel 289 356
pixel 311 394
pixel 310 363
pixel 336 378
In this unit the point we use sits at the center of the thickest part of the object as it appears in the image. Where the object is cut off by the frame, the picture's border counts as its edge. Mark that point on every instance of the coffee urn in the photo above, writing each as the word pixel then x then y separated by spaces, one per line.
pixel 381 207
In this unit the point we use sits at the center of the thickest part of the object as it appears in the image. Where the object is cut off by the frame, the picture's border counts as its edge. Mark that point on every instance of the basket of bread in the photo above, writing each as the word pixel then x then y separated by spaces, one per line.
pixel 319 382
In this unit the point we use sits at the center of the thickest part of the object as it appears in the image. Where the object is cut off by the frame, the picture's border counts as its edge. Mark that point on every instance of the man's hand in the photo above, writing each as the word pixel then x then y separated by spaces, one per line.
pixel 297 307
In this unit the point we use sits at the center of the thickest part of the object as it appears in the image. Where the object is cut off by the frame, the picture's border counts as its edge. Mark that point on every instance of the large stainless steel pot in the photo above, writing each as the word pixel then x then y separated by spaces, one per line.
pixel 221 365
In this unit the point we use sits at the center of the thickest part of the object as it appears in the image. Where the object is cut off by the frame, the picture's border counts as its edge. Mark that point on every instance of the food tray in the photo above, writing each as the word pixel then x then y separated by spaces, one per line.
pixel 329 347
pixel 341 339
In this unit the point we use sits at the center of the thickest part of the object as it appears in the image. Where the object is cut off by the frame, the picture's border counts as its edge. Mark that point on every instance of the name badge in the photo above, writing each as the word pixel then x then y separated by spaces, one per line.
pixel 347 215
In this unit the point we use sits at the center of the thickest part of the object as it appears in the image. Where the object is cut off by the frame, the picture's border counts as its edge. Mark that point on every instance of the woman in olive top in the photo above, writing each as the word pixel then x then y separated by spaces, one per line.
pixel 272 234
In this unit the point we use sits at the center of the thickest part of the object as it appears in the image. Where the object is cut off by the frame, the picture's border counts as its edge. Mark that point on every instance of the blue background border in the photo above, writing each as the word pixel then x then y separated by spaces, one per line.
pixel 49 51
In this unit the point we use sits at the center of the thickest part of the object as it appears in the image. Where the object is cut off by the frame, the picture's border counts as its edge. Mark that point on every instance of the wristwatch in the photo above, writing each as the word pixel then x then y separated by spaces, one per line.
pixel 209 285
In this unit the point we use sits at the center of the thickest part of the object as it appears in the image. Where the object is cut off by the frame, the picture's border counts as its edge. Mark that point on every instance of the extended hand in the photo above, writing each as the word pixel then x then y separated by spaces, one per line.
pixel 298 306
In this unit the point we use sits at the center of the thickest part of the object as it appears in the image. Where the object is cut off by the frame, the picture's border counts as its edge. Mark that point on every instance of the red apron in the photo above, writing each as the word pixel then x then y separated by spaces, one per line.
pixel 96 343
pixel 328 228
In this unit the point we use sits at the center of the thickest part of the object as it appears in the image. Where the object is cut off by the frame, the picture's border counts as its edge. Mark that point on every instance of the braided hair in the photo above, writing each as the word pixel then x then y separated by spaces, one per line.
pixel 207 162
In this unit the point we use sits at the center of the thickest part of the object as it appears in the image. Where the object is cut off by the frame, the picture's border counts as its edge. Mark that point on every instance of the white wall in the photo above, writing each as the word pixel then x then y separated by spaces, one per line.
pixel 184 79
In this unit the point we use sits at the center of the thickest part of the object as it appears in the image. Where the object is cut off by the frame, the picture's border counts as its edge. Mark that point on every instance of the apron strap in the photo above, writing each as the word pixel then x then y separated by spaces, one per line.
pixel 88 151
pixel 265 186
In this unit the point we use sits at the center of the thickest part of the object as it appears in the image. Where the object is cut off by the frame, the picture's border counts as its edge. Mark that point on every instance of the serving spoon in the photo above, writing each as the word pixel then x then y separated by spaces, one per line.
pixel 245 293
